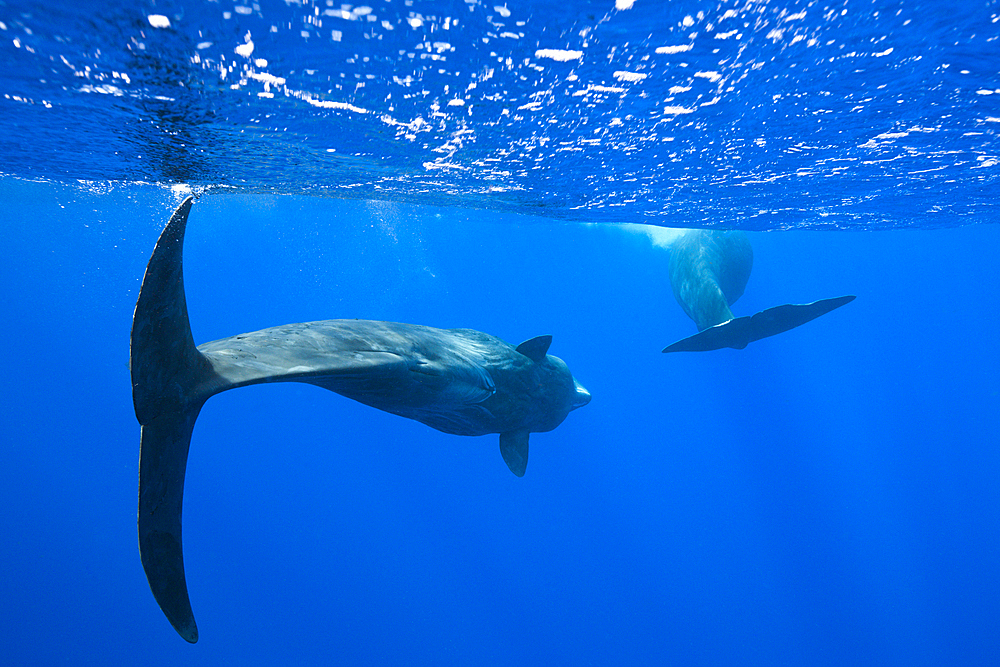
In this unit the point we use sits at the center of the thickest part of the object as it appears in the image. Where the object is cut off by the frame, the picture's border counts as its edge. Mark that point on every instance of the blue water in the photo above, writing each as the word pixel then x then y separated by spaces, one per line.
pixel 828 496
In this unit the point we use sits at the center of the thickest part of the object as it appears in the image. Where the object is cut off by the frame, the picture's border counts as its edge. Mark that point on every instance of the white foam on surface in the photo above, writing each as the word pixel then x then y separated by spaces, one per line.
pixel 246 48
pixel 631 77
pixel 679 48
pixel 266 78
pixel 561 55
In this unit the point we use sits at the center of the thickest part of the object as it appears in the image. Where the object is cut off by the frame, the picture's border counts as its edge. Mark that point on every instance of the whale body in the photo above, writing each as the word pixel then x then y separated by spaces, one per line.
pixel 458 381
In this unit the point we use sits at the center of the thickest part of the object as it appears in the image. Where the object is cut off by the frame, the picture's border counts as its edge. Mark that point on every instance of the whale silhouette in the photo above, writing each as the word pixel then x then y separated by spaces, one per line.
pixel 708 273
pixel 457 381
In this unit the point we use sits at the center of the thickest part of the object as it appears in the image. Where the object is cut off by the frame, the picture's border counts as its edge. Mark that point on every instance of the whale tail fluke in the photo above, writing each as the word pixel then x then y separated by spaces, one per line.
pixel 171 380
pixel 741 331
pixel 162 460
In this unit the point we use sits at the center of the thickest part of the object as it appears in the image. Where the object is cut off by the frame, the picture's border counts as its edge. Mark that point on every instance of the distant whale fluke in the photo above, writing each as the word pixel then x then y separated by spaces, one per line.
pixel 741 331
pixel 457 381
pixel 708 273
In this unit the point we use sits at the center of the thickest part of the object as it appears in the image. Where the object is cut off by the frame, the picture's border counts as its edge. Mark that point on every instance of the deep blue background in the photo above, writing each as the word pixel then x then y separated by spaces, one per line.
pixel 825 497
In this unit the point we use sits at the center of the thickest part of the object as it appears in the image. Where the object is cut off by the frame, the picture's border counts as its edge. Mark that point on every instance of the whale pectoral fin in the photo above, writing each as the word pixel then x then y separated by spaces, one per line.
pixel 733 333
pixel 535 348
pixel 782 318
pixel 514 448
pixel 162 462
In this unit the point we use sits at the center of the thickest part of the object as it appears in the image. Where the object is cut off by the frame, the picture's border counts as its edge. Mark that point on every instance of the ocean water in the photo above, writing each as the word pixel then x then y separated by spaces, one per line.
pixel 827 496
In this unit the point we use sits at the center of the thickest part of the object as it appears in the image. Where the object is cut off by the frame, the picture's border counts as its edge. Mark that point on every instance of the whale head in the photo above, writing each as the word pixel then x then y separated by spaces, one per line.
pixel 580 395
pixel 568 393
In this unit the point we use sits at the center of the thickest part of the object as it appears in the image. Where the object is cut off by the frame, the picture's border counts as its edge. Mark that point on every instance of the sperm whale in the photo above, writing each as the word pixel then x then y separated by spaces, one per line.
pixel 708 273
pixel 458 381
